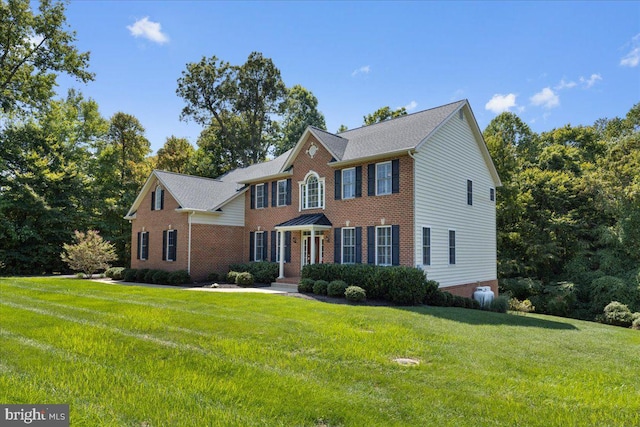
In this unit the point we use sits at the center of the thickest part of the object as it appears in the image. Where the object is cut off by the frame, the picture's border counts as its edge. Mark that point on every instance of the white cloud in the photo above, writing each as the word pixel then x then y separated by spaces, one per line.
pixel 149 30
pixel 565 85
pixel 632 59
pixel 591 80
pixel 546 98
pixel 410 106
pixel 362 70
pixel 501 103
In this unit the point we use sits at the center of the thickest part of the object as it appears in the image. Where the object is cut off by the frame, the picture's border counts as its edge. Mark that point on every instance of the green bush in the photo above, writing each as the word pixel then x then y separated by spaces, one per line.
pixel 355 294
pixel 213 276
pixel 636 324
pixel 231 276
pixel 435 298
pixel 459 301
pixel 520 287
pixel 618 314
pixel 336 288
pixel 129 275
pixel 522 306
pixel 148 277
pixel 609 288
pixel 262 271
pixel 306 285
pixel 320 287
pixel 161 277
pixel 180 277
pixel 448 299
pixel 141 274
pixel 499 304
pixel 115 273
pixel 245 279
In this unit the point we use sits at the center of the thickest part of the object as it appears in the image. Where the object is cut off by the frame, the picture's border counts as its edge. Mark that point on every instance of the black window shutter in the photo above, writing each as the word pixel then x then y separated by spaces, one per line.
pixel 371 245
pixel 274 193
pixel 265 198
pixel 164 245
pixel 162 199
pixel 337 245
pixel 289 192
pixel 251 246
pixel 153 200
pixel 338 186
pixel 358 245
pixel 371 179
pixel 274 236
pixel 395 245
pixel 287 246
pixel 253 197
pixel 265 246
pixel 358 181
pixel 139 245
pixel 174 249
pixel 395 176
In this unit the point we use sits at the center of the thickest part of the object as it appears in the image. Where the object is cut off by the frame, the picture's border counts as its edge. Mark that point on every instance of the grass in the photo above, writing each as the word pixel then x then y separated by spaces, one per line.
pixel 135 356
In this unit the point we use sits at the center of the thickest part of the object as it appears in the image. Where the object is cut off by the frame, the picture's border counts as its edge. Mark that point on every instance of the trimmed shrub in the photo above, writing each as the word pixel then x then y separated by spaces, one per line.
pixel 231 276
pixel 448 299
pixel 435 298
pixel 115 273
pixel 141 274
pixel 213 276
pixel 161 277
pixel 522 306
pixel 336 288
pixel 244 279
pixel 355 294
pixel 180 277
pixel 320 287
pixel 459 301
pixel 129 275
pixel 148 277
pixel 618 314
pixel 499 304
pixel 306 285
pixel 262 271
pixel 636 324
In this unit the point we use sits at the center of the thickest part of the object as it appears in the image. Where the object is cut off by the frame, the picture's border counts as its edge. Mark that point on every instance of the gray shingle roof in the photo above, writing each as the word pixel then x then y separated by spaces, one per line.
pixel 258 170
pixel 193 192
pixel 335 143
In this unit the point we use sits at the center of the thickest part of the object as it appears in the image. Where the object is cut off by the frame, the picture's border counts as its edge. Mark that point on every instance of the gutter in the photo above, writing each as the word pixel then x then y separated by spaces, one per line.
pixel 343 163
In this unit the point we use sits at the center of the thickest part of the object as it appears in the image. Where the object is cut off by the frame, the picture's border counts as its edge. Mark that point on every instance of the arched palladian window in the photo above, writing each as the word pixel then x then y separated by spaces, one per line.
pixel 312 192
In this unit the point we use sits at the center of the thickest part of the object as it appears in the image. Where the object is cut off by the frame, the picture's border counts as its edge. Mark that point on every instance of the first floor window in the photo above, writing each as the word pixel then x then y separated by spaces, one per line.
pixel 259 243
pixel 452 247
pixel 169 243
pixel 469 192
pixel 492 194
pixel 348 245
pixel 143 245
pixel 383 245
pixel 426 246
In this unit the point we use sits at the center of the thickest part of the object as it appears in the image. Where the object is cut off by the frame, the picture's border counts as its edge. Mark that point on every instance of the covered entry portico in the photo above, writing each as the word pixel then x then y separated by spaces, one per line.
pixel 311 228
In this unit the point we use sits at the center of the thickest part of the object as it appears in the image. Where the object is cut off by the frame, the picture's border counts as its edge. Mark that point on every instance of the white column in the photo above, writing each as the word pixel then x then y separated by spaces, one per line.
pixel 313 246
pixel 281 276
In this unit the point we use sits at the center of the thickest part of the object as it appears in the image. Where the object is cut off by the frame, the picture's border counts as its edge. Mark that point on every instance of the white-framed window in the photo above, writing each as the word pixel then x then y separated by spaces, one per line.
pixel 312 192
pixel 282 192
pixel 348 245
pixel 143 249
pixel 349 183
pixel 158 200
pixel 383 178
pixel 426 245
pixel 171 245
pixel 260 196
pixel 452 247
pixel 259 246
pixel 469 192
pixel 383 245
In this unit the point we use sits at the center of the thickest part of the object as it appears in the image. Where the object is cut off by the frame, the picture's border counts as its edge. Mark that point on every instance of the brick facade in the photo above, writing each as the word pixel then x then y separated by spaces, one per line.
pixel 467 289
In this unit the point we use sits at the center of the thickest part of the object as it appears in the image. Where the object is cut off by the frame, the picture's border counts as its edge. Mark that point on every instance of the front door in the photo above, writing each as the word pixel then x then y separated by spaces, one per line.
pixel 306 250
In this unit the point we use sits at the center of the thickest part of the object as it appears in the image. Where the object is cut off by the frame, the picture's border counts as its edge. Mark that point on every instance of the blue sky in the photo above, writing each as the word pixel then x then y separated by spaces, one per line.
pixel 552 63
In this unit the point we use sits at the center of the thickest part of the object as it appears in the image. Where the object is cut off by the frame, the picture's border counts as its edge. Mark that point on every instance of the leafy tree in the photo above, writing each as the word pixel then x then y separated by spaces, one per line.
pixel 342 128
pixel 300 110
pixel 235 102
pixel 176 155
pixel 89 254
pixel 382 114
pixel 35 47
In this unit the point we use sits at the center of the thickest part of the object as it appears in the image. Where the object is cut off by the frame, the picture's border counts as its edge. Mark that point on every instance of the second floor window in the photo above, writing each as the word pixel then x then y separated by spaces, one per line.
pixel 383 178
pixel 349 183
pixel 312 192
pixel 282 192
pixel 260 196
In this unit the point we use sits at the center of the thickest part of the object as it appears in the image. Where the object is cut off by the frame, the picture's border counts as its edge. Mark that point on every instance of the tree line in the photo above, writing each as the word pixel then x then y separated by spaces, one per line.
pixel 568 214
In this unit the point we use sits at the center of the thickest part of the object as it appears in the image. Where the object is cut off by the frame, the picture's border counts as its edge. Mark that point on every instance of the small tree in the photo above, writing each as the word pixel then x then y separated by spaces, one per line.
pixel 89 254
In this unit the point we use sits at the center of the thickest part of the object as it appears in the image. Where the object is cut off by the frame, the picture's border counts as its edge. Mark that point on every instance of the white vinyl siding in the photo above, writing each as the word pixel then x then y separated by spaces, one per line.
pixel 443 165
pixel 232 214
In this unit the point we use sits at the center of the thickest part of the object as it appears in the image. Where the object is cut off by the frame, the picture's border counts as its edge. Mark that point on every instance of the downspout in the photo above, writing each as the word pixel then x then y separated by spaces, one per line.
pixel 189 244
pixel 415 239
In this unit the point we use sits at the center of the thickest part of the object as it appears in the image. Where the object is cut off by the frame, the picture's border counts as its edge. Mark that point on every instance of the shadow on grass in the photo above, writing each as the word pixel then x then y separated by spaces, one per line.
pixel 480 317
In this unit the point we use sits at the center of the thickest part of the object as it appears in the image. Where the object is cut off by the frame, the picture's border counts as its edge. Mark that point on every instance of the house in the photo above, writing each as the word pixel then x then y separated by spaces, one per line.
pixel 417 190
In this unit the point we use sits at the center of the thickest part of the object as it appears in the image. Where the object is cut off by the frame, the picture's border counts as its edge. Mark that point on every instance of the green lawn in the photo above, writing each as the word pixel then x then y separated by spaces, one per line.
pixel 135 356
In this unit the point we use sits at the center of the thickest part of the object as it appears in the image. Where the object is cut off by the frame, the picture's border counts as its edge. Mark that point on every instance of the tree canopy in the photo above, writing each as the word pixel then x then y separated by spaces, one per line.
pixel 382 114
